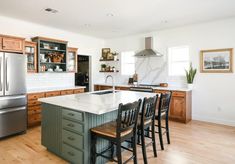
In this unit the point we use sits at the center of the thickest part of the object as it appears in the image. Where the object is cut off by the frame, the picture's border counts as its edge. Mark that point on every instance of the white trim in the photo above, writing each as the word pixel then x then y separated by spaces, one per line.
pixel 214 120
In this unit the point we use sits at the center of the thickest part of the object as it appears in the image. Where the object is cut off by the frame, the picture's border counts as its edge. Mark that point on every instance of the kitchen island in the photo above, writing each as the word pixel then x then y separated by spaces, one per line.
pixel 66 121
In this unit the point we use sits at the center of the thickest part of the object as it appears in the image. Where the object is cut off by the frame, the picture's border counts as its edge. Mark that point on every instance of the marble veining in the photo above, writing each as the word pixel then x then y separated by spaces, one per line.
pixel 96 104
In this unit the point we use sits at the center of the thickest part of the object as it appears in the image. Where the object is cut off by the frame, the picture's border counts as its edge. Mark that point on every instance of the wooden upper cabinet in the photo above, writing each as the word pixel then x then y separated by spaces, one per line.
pixel 31 52
pixel 72 59
pixel 12 44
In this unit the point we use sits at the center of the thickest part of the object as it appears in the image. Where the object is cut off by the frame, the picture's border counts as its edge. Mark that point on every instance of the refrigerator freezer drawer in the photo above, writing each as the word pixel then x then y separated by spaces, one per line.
pixel 12 121
pixel 12 101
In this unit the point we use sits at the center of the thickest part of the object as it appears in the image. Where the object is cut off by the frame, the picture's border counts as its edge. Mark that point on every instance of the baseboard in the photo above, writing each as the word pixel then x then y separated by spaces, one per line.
pixel 214 120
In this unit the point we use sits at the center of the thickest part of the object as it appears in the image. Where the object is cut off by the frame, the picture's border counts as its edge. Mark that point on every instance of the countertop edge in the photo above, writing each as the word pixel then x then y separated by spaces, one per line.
pixel 53 89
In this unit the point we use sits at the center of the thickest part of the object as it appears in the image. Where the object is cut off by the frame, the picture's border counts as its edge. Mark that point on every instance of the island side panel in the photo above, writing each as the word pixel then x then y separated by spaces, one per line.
pixel 93 120
pixel 51 128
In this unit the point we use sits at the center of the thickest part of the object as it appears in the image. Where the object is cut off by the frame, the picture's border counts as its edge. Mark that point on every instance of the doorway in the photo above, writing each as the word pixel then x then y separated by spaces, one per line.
pixel 82 77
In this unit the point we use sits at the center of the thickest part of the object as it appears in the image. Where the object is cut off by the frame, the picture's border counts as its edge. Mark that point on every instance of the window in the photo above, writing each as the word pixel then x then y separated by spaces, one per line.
pixel 178 59
pixel 127 63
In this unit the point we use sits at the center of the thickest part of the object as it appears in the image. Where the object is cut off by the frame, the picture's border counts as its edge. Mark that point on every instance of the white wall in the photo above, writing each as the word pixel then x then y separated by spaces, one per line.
pixel 86 45
pixel 213 95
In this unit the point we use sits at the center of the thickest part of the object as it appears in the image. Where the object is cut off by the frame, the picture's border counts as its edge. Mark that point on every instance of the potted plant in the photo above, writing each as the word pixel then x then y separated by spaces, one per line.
pixel 190 74
pixel 103 66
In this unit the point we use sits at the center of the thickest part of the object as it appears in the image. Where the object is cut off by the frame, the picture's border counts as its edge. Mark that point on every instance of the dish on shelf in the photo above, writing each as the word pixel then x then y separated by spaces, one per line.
pixel 58 70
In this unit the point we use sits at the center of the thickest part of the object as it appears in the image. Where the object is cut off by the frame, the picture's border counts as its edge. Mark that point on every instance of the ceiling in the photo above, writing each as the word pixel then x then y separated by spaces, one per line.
pixel 115 18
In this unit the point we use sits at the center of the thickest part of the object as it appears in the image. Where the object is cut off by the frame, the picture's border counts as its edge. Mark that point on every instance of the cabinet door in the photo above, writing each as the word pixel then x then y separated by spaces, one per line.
pixel 13 44
pixel 177 109
pixel 31 51
pixel 0 43
pixel 72 60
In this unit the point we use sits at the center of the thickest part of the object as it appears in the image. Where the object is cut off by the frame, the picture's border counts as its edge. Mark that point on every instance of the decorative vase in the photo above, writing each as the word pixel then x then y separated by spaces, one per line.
pixel 190 86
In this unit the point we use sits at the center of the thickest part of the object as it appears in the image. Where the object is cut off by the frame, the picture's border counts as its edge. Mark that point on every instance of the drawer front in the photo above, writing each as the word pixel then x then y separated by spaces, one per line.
pixel 71 154
pixel 34 110
pixel 34 96
pixel 178 94
pixel 76 91
pixel 74 126
pixel 66 92
pixel 160 91
pixel 73 115
pixel 73 139
pixel 33 102
pixel 53 93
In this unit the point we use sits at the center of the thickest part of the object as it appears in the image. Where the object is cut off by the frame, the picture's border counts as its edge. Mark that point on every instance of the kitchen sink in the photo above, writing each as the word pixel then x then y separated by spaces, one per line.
pixel 104 92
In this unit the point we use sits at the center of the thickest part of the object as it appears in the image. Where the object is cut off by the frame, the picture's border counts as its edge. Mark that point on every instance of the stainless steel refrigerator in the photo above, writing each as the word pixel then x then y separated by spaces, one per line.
pixel 13 111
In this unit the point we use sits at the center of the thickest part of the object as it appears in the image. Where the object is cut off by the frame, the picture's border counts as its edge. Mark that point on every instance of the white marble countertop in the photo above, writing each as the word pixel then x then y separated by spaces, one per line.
pixel 96 104
pixel 47 89
pixel 170 88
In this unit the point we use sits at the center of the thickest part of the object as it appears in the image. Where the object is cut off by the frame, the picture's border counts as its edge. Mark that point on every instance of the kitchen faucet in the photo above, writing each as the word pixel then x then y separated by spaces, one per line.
pixel 106 79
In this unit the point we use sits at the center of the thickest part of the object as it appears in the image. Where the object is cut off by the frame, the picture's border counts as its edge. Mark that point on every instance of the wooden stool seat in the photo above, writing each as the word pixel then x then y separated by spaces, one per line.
pixel 109 129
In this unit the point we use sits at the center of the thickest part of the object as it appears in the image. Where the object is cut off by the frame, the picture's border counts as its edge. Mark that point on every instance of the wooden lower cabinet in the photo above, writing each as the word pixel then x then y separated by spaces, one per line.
pixel 105 87
pixel 180 107
pixel 34 106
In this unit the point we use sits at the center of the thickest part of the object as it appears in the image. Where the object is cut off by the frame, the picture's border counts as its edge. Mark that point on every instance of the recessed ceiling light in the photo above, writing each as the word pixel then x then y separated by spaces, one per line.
pixel 109 15
pixel 87 25
pixel 51 10
pixel 164 21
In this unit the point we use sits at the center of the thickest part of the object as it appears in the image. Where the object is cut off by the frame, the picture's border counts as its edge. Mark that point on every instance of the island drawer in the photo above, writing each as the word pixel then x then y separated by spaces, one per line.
pixel 34 96
pixel 73 126
pixel 71 154
pixel 66 92
pixel 73 139
pixel 73 115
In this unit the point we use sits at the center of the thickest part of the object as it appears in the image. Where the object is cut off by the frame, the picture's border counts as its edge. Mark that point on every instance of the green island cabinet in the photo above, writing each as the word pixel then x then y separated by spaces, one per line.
pixel 66 132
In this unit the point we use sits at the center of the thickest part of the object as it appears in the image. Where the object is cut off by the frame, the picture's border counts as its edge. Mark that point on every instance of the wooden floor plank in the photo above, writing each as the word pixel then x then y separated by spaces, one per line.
pixel 193 143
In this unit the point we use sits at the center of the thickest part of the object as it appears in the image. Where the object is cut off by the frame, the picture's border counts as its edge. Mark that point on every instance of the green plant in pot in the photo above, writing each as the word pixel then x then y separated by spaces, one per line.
pixel 190 74
pixel 103 66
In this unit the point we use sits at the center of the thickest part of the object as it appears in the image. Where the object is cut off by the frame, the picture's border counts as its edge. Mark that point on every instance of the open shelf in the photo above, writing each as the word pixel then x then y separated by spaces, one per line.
pixel 109 60
pixel 47 49
pixel 109 71
pixel 51 63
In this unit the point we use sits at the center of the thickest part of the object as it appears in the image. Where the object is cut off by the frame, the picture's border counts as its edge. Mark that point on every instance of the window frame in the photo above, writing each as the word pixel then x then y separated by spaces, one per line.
pixel 170 60
pixel 121 63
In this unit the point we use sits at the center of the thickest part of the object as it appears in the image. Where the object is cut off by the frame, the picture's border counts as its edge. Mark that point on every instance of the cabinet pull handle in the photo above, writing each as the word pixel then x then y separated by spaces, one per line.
pixel 70 114
pixel 71 138
pixel 71 153
pixel 71 125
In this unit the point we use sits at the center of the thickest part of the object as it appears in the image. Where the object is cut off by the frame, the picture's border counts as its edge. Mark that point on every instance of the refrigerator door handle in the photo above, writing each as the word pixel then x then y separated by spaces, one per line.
pixel 12 110
pixel 7 83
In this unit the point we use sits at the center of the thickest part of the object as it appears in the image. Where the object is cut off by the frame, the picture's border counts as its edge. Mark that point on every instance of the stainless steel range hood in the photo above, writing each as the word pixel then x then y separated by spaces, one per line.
pixel 148 51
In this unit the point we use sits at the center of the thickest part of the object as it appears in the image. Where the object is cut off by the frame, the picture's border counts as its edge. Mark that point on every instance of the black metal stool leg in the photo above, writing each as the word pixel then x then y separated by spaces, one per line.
pixel 119 152
pixel 112 149
pixel 143 146
pixel 167 130
pixel 134 149
pixel 93 149
pixel 153 139
pixel 160 133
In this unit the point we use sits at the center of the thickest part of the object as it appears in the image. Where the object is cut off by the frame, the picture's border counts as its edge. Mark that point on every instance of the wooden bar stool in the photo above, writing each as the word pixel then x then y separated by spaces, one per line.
pixel 145 121
pixel 163 112
pixel 118 131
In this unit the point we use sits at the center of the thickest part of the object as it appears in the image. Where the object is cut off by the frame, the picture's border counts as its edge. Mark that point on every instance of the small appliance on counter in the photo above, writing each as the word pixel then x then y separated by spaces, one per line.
pixel 13 111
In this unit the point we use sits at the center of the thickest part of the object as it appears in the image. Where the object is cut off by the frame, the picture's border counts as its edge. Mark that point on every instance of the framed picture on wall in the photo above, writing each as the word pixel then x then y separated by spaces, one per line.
pixel 105 52
pixel 216 61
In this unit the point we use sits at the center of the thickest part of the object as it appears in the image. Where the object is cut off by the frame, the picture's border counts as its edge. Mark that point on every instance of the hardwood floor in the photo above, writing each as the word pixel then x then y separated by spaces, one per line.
pixel 192 143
